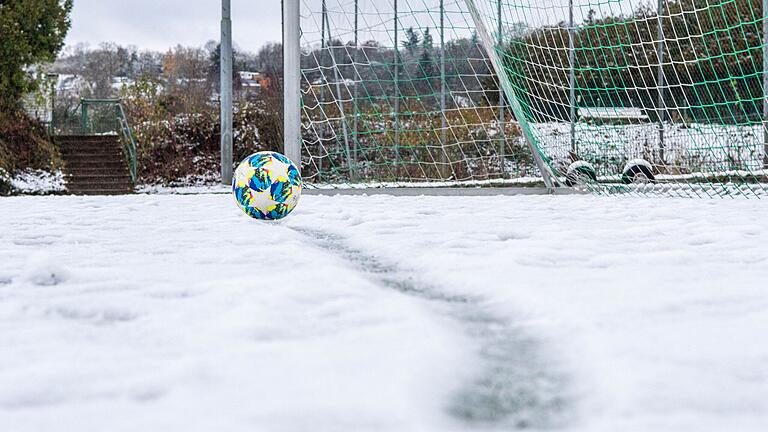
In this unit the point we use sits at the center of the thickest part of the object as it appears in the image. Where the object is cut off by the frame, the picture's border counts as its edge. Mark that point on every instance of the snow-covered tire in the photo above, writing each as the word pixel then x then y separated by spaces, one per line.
pixel 580 172
pixel 638 171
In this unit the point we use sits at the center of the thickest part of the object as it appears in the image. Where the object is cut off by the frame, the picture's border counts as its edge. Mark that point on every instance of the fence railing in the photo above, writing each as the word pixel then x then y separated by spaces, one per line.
pixel 99 117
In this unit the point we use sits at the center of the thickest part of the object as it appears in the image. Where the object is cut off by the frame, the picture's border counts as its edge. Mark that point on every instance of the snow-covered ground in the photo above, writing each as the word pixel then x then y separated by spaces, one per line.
pixel 36 182
pixel 379 313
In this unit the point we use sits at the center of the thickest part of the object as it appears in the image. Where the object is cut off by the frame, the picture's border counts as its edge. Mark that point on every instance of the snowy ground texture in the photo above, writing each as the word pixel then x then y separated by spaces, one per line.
pixel 36 182
pixel 573 313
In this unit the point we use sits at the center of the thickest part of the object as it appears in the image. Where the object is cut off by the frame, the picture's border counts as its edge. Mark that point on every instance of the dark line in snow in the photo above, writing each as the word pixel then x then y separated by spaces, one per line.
pixel 518 387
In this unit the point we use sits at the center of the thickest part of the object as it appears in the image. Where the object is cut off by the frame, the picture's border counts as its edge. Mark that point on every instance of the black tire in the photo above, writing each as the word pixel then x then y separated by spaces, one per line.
pixel 638 173
pixel 580 173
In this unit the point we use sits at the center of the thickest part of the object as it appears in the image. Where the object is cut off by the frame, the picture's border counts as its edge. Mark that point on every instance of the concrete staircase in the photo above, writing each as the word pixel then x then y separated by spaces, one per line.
pixel 95 165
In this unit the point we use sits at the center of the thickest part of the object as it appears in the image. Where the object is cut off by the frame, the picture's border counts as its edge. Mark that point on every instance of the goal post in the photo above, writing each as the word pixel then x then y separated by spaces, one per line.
pixel 655 97
pixel 225 63
pixel 493 47
pixel 292 80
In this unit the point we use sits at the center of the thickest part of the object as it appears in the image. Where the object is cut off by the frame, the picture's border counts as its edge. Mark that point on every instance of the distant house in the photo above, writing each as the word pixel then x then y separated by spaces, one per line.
pixel 72 85
pixel 249 76
pixel 613 115
pixel 253 80
pixel 38 104
pixel 118 83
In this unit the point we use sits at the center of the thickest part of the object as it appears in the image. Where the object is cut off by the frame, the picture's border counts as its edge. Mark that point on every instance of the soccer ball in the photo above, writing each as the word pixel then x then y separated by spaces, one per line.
pixel 267 186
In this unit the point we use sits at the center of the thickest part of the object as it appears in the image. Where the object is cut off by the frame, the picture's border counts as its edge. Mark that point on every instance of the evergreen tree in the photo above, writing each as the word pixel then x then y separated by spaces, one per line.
pixel 31 32
pixel 426 62
pixel 427 43
pixel 214 67
pixel 412 40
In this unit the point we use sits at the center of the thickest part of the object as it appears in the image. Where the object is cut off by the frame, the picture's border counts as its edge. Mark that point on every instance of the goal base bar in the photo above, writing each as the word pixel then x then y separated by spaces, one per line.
pixel 446 191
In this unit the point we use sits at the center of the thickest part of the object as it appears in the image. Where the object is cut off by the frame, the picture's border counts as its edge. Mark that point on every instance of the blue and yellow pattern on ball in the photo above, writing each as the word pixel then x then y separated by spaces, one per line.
pixel 267 186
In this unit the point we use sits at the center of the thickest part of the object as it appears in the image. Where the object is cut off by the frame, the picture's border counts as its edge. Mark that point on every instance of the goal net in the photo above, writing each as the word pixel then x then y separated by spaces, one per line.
pixel 611 96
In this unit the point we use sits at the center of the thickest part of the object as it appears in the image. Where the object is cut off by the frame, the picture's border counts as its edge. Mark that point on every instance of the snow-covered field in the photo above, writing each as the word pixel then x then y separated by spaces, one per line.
pixel 379 313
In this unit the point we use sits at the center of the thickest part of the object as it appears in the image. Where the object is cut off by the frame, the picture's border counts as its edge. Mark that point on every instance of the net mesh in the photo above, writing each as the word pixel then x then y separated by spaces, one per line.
pixel 399 93
pixel 612 96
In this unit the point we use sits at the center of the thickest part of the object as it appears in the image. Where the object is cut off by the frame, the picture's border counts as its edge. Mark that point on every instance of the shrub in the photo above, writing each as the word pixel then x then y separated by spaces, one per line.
pixel 24 144
pixel 179 138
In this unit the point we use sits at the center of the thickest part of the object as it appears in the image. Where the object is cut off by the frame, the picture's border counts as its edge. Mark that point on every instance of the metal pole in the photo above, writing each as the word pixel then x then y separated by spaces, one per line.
pixel 443 91
pixel 225 58
pixel 292 81
pixel 572 78
pixel 660 81
pixel 397 95
pixel 765 84
pixel 54 82
pixel 502 102
pixel 358 83
pixel 482 31
pixel 117 118
pixel 323 84
pixel 338 77
pixel 83 117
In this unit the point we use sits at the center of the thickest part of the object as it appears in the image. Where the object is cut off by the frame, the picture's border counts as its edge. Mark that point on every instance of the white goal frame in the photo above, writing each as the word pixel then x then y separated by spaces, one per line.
pixel 292 80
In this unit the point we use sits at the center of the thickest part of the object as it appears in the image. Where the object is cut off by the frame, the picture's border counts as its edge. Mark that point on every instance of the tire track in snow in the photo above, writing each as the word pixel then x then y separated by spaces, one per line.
pixel 516 386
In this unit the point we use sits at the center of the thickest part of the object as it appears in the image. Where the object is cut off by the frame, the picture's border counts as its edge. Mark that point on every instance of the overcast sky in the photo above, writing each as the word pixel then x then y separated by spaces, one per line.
pixel 161 24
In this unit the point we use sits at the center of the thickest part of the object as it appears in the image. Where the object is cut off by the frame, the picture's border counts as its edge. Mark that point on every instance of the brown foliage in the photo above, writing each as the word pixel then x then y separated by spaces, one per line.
pixel 25 144
pixel 178 133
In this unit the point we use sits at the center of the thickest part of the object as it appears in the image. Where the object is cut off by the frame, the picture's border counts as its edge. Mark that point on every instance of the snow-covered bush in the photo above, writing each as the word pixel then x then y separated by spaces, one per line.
pixel 178 137
pixel 24 145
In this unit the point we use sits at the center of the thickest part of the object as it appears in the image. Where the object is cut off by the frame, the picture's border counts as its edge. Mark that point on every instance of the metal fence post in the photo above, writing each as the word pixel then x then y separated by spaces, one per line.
pixel 397 94
pixel 661 106
pixel 358 83
pixel 323 84
pixel 572 77
pixel 338 78
pixel 292 81
pixel 83 117
pixel 443 91
pixel 502 101
pixel 53 81
pixel 765 84
pixel 225 58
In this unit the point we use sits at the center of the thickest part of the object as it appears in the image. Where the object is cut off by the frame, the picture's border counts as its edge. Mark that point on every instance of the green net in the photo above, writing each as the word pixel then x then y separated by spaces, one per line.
pixel 399 93
pixel 611 96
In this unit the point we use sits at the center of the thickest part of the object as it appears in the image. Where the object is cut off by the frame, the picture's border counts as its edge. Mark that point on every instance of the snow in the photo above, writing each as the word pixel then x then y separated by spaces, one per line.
pixel 193 188
pixel 527 181
pixel 695 147
pixel 210 184
pixel 363 313
pixel 606 113
pixel 635 162
pixel 37 182
pixel 206 183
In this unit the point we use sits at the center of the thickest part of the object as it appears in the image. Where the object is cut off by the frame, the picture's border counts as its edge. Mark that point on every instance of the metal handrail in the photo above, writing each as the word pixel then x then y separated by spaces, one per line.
pixel 130 141
pixel 121 124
